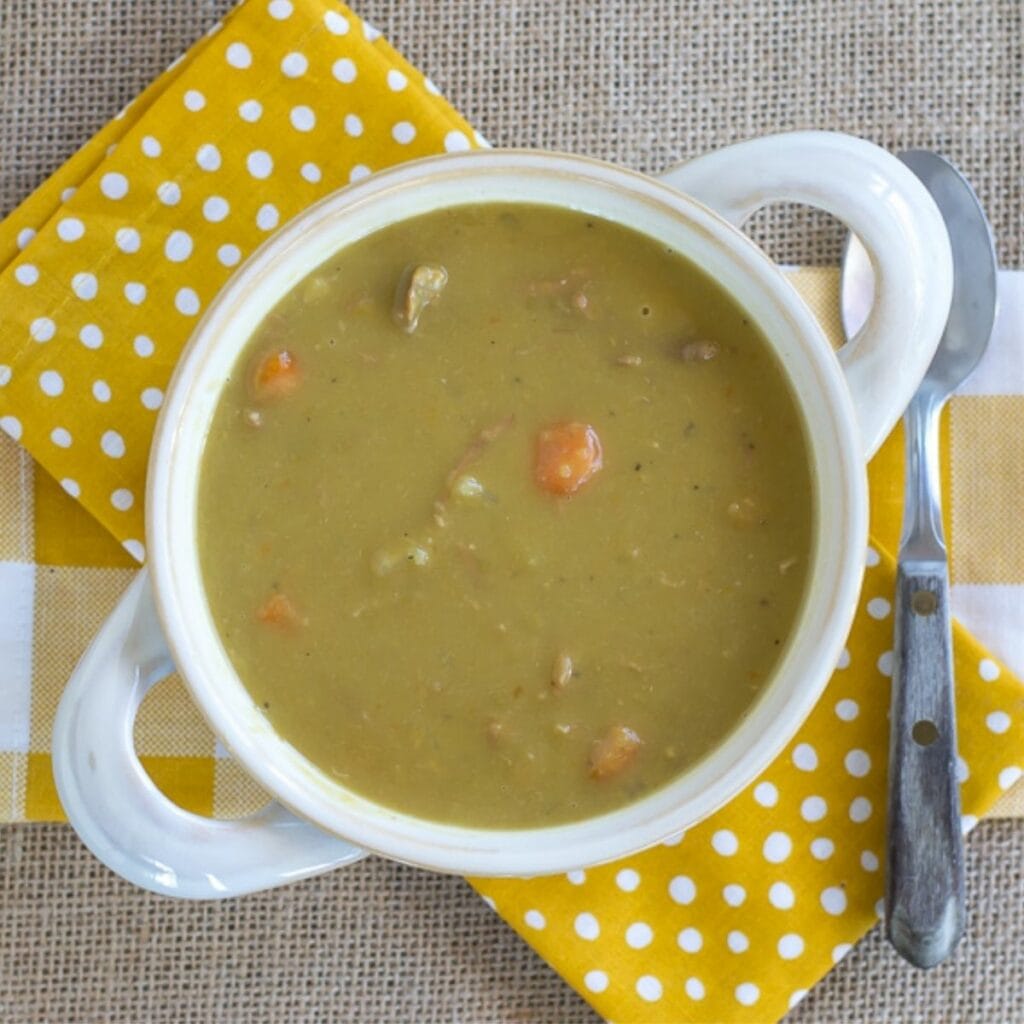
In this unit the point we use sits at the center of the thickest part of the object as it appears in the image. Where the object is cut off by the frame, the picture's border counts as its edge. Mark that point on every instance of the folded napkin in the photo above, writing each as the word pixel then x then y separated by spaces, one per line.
pixel 107 267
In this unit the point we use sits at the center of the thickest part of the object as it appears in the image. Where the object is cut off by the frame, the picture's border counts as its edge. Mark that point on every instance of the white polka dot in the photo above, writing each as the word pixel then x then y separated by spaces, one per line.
pixel 822 848
pixel 42 329
pixel 353 125
pixel 648 988
pixel 122 499
pixel 639 935
pixel 280 9
pixel 576 876
pixel 310 172
pixel 396 80
pixel 90 336
pixel 370 31
pixel 988 670
pixel 336 23
pixel 675 839
pixel 169 193
pixel 26 274
pixel 344 70
pixel 535 919
pixel 682 890
pixel 194 100
pixel 997 721
pixel 690 940
pixel 114 185
pixel 5 375
pixel 766 794
pixel 737 942
pixel 11 426
pixel 885 663
pixel 259 163
pixel 70 229
pixel 208 156
pixel 403 132
pixel 152 398
pixel 963 773
pixel 860 809
pixel 790 946
pixel 724 842
pixel 61 437
pixel 833 900
pixel 85 286
pixel 694 988
pixel 294 65
pixel 879 607
pixel 101 391
pixel 358 172
pixel 429 85
pixel 813 808
pixel 178 246
pixel 302 118
pixel 65 196
pixel 586 926
pixel 215 209
pixel 781 896
pixel 238 55
pixel 143 346
pixel 186 302
pixel 747 994
pixel 135 548
pixel 967 822
pixel 135 292
pixel 847 710
pixel 51 383
pixel 267 217
pixel 71 487
pixel 456 141
pixel 595 981
pixel 251 111
pixel 871 558
pixel 627 880
pixel 857 763
pixel 128 240
pixel 777 847
pixel 734 894
pixel 844 659
pixel 112 444
pixel 229 255
pixel 1009 776
pixel 869 861
pixel 150 146
pixel 490 902
pixel 838 952
pixel 805 757
pixel 25 235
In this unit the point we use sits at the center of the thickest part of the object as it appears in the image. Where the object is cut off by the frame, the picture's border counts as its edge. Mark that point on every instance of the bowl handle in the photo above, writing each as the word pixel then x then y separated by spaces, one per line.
pixel 883 203
pixel 120 814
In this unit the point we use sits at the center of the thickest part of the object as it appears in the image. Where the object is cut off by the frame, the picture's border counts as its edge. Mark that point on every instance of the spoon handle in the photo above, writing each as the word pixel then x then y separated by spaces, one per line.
pixel 925 883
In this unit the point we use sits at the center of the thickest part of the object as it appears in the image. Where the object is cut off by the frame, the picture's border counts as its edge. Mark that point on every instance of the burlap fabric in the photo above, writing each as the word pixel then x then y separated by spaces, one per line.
pixel 641 83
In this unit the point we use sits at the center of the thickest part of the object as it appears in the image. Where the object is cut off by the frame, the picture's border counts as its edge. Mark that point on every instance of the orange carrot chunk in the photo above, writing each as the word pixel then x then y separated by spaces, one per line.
pixel 279 611
pixel 568 455
pixel 276 376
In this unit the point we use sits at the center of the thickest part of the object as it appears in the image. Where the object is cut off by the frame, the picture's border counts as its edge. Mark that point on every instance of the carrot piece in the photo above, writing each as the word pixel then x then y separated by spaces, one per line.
pixel 276 376
pixel 278 611
pixel 568 455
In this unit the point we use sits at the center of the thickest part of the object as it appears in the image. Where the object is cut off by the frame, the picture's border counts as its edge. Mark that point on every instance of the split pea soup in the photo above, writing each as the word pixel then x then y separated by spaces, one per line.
pixel 505 515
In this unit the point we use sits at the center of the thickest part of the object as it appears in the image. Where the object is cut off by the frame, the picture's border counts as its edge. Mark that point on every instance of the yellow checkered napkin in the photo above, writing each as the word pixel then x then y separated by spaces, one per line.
pixel 107 267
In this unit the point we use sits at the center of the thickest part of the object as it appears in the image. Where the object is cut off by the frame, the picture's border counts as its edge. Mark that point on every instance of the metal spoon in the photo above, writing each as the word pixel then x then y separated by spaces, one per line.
pixel 925 884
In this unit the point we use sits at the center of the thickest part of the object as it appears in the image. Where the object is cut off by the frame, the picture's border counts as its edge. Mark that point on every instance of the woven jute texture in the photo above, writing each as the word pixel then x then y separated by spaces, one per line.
pixel 641 83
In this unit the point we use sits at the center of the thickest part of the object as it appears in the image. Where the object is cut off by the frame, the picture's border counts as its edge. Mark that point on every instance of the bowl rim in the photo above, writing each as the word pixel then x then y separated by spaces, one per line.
pixel 293 780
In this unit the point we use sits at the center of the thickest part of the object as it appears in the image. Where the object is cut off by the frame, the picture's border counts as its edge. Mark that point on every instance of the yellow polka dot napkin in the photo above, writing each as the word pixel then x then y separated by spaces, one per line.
pixel 105 270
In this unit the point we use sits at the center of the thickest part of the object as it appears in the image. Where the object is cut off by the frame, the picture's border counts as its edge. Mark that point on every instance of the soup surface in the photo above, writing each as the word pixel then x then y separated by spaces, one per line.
pixel 505 515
